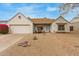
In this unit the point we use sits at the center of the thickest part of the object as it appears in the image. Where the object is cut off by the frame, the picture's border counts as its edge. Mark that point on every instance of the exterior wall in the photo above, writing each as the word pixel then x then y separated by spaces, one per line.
pixel 75 26
pixel 67 27
pixel 23 20
pixel 54 28
pixel 60 20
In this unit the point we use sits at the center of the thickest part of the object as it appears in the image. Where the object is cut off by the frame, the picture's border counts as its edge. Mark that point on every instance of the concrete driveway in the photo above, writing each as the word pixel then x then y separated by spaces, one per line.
pixel 8 40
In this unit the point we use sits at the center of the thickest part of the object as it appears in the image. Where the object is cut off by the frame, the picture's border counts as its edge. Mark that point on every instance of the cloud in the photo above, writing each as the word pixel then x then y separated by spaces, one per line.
pixel 50 9
pixel 32 9
pixel 25 9
pixel 5 15
pixel 36 10
pixel 7 4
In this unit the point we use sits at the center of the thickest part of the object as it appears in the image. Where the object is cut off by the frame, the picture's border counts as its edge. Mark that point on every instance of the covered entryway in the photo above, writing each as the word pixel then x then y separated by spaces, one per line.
pixel 41 25
pixel 41 28
pixel 38 28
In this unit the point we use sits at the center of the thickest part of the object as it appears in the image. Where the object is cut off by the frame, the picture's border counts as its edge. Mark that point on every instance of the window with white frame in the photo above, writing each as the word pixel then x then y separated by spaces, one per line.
pixel 61 27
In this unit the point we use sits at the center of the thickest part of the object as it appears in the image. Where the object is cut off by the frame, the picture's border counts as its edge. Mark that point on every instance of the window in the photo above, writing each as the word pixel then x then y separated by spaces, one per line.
pixel 61 27
pixel 19 17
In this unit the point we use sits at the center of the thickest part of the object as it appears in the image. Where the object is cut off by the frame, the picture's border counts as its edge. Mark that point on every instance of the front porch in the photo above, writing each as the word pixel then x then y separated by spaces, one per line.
pixel 41 28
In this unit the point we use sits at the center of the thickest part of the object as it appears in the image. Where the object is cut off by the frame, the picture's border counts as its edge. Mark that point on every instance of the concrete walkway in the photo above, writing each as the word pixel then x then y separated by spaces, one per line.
pixel 8 40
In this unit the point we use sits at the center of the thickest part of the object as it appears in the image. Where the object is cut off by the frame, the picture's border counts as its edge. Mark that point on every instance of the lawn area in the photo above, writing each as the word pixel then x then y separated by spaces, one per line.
pixel 49 44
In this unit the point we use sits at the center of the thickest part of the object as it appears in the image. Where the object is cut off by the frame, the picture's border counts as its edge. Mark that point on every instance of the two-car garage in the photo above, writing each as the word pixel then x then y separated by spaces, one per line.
pixel 20 29
pixel 20 24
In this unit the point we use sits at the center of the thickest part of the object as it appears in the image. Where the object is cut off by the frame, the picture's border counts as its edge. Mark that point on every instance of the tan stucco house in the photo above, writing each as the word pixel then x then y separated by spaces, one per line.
pixel 22 24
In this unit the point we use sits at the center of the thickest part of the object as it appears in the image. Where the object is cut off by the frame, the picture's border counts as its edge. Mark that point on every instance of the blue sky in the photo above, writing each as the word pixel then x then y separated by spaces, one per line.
pixel 33 10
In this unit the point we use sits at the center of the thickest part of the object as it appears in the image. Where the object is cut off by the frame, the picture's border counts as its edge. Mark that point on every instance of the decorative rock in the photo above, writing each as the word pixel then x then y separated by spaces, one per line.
pixel 24 44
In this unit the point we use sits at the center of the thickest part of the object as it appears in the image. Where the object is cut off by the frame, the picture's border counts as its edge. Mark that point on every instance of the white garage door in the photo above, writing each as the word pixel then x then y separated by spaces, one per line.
pixel 20 29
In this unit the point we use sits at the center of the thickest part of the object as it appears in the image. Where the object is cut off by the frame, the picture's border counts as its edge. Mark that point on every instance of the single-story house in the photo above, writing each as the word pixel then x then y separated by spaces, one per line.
pixel 22 24
pixel 75 23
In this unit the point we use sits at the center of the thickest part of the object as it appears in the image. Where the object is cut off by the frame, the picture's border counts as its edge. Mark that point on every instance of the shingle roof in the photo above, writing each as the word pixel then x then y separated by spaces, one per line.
pixel 3 20
pixel 75 19
pixel 42 21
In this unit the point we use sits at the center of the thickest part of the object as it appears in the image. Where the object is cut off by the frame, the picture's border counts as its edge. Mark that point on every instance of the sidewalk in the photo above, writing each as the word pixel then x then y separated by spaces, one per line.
pixel 8 40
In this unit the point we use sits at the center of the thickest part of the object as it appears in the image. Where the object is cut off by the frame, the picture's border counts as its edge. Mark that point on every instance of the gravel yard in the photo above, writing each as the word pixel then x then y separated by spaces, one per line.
pixel 50 44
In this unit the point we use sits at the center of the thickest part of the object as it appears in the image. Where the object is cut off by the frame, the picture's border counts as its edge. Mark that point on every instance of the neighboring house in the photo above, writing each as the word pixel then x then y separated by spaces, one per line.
pixel 3 22
pixel 22 24
pixel 60 25
pixel 75 24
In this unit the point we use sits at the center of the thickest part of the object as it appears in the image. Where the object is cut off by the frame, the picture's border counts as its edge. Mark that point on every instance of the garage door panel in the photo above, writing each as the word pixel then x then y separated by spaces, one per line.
pixel 21 29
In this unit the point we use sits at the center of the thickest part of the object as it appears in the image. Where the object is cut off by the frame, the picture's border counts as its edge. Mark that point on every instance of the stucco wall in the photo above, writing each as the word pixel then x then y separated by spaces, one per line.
pixel 75 26
pixel 60 20
pixel 20 25
pixel 67 27
pixel 23 20
pixel 54 28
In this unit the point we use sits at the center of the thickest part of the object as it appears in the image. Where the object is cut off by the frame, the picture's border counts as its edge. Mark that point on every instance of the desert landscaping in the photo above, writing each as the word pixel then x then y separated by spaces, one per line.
pixel 45 44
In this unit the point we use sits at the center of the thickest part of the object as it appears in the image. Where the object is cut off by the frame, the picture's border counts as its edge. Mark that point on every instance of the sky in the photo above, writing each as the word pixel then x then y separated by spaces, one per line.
pixel 33 10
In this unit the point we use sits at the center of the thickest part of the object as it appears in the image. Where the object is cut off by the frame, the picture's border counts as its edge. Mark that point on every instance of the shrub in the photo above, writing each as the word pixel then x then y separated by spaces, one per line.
pixel 4 29
pixel 35 38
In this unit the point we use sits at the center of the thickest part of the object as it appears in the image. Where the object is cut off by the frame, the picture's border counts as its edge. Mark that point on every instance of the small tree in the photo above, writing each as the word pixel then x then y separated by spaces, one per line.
pixel 65 8
pixel 35 38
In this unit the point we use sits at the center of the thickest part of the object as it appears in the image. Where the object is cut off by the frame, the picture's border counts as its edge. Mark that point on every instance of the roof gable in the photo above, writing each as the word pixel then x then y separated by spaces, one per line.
pixel 75 20
pixel 61 20
pixel 19 18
